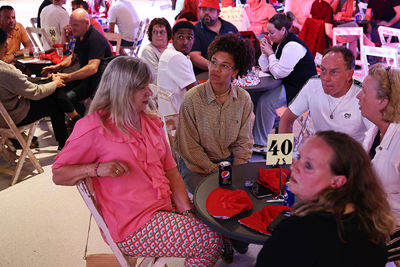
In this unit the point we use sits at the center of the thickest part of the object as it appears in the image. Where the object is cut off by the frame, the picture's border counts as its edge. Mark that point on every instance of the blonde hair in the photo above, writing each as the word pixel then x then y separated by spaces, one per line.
pixel 388 86
pixel 362 190
pixel 121 79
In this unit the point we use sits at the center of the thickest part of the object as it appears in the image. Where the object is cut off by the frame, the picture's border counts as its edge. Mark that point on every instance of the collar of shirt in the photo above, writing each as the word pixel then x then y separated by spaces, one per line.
pixel 210 96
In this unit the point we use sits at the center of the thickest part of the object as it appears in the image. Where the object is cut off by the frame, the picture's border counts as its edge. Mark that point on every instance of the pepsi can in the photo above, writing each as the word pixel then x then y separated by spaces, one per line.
pixel 225 173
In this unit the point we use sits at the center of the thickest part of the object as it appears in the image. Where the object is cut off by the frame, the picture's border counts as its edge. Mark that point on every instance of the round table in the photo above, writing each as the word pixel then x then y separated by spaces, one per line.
pixel 231 227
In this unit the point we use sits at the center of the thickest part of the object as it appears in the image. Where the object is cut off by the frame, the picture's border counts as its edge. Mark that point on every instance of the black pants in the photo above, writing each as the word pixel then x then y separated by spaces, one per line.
pixel 78 91
pixel 54 105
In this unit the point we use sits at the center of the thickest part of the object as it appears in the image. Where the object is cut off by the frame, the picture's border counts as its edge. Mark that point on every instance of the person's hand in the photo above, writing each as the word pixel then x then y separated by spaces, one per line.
pixel 112 168
pixel 49 69
pixel 8 58
pixel 383 23
pixel 65 76
pixel 266 47
pixel 58 80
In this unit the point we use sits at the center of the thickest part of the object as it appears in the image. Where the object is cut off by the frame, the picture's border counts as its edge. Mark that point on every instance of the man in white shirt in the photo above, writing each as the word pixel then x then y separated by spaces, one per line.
pixel 53 19
pixel 123 14
pixel 330 98
pixel 175 70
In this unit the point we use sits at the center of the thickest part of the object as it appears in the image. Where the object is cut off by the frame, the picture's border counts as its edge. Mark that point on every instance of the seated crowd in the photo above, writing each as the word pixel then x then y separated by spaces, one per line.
pixel 346 179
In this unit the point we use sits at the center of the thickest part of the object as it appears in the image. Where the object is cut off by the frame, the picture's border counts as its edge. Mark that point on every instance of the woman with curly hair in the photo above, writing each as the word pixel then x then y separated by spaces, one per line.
pixel 342 217
pixel 215 116
pixel 159 34
pixel 379 102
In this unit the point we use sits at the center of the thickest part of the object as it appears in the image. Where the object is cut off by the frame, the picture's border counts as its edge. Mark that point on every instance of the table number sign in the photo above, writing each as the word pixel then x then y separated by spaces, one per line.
pixel 280 149
pixel 53 34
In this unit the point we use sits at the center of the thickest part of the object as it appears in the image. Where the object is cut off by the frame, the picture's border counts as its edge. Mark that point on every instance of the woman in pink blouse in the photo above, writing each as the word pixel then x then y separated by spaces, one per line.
pixel 121 148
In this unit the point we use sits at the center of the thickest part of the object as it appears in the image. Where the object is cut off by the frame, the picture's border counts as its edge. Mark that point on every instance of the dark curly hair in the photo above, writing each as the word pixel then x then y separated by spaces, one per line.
pixel 240 49
pixel 159 21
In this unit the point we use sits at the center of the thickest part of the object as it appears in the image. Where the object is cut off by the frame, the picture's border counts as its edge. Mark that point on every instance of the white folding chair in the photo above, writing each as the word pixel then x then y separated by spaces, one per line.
pixel 116 37
pixel 306 130
pixel 390 54
pixel 37 40
pixel 165 103
pixel 134 49
pixel 350 31
pixel 16 133
pixel 34 22
pixel 90 201
pixel 386 35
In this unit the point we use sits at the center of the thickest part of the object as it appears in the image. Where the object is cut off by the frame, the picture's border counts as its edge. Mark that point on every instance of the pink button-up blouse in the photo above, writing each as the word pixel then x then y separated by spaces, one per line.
pixel 129 201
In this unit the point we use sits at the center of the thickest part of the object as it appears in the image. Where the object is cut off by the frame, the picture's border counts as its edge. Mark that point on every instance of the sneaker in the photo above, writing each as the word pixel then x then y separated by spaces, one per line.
pixel 240 246
pixel 17 145
pixel 71 123
pixel 227 251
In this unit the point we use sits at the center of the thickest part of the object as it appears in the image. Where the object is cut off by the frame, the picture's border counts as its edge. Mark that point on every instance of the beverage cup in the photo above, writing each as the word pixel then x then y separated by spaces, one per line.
pixel 60 51
pixel 36 52
pixel 26 52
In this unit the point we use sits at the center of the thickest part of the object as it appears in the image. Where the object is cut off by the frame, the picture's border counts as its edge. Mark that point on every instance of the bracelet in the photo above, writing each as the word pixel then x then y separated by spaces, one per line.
pixel 95 169
pixel 186 212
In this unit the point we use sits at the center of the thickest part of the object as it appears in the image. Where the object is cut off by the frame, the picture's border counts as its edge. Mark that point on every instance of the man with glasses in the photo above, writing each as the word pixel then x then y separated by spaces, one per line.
pixel 175 70
pixel 330 98
pixel 209 27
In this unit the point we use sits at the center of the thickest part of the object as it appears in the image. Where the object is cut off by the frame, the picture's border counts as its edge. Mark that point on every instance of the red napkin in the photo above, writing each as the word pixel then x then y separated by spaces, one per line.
pixel 270 178
pixel 53 57
pixel 224 203
pixel 259 220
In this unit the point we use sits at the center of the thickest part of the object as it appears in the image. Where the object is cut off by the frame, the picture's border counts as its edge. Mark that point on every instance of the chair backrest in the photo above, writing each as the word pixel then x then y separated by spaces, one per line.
pixel 389 33
pixel 116 37
pixel 313 35
pixel 165 102
pixel 34 22
pixel 143 26
pixel 390 54
pixel 38 36
pixel 15 132
pixel 88 197
pixel 306 130
pixel 362 7
pixel 350 31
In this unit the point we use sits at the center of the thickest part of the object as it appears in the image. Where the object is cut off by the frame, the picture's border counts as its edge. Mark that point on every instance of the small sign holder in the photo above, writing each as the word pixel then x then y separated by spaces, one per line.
pixel 279 153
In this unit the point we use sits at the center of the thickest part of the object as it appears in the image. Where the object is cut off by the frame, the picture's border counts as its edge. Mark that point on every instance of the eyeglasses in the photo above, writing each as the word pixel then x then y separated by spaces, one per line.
pixel 155 32
pixel 224 67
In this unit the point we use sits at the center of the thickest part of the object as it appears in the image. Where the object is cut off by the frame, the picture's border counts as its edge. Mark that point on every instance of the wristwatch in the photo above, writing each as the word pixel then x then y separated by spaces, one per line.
pixel 15 54
pixel 186 212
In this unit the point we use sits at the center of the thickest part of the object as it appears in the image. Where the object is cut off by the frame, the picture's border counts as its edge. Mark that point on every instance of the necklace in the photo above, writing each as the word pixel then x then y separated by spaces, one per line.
pixel 337 105
pixel 222 95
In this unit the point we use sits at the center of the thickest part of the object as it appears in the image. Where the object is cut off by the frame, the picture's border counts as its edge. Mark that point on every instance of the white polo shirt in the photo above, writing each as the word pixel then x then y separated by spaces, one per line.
pixel 346 114
pixel 175 72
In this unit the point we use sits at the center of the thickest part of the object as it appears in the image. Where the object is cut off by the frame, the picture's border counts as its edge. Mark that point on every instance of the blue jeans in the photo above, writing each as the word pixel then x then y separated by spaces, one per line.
pixel 265 108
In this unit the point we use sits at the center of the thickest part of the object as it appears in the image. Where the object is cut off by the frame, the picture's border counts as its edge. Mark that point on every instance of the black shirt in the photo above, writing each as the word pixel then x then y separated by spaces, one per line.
pixel 313 241
pixel 383 9
pixel 92 46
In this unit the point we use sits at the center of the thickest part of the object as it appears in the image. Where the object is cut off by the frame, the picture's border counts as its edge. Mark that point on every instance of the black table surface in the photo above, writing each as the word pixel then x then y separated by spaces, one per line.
pixel 231 227
pixel 266 83
pixel 35 67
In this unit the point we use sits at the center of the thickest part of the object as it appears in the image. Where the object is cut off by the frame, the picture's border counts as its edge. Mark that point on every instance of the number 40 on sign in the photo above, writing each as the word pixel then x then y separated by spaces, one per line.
pixel 280 149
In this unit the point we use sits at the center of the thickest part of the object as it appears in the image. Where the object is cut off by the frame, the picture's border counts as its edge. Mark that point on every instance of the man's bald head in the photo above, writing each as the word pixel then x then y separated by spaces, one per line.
pixel 80 22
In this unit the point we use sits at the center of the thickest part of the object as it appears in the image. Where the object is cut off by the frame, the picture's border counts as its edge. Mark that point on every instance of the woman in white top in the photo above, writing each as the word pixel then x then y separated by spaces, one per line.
pixel 159 34
pixel 288 58
pixel 379 102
